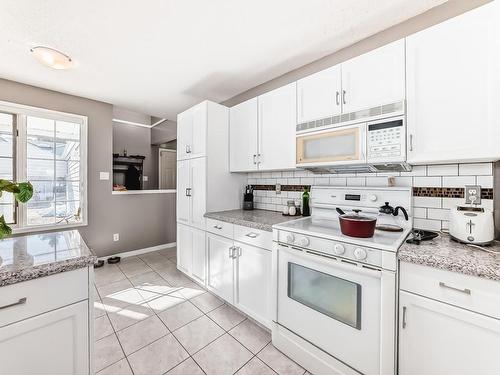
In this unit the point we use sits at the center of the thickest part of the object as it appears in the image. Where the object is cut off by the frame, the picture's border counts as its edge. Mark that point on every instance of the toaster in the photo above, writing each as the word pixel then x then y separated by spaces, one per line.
pixel 469 224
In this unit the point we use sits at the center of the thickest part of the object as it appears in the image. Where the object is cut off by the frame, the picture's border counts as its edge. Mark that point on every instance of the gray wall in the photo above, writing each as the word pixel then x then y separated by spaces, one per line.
pixel 164 132
pixel 137 141
pixel 142 220
pixel 420 22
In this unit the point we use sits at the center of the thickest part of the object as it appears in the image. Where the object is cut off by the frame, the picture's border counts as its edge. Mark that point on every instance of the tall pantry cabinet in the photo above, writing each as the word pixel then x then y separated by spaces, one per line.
pixel 204 183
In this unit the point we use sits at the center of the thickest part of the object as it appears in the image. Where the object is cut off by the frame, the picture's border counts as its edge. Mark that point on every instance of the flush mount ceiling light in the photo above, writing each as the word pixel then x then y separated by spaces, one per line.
pixel 52 58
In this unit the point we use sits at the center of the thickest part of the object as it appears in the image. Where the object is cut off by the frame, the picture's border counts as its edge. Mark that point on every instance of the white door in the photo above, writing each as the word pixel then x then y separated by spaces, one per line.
pixel 253 273
pixel 185 248
pixel 319 95
pixel 183 192
pixel 198 192
pixel 54 343
pixel 243 147
pixel 167 169
pixel 184 134
pixel 453 89
pixel 436 338
pixel 374 78
pixel 199 135
pixel 220 266
pixel 198 265
pixel 277 122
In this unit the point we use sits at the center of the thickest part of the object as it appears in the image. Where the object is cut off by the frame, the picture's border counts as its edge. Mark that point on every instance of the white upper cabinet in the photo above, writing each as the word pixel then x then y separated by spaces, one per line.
pixel 453 89
pixel 319 95
pixel 192 132
pixel 374 78
pixel 243 137
pixel 277 121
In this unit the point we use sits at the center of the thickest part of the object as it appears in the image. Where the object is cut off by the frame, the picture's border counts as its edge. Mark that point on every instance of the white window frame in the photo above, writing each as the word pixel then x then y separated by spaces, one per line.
pixel 21 111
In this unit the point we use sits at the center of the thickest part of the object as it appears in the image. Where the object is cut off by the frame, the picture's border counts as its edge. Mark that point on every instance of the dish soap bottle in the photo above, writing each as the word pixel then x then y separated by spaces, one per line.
pixel 306 210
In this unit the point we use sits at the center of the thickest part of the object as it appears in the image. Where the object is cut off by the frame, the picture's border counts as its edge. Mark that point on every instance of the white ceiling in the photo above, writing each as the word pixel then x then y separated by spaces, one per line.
pixel 161 56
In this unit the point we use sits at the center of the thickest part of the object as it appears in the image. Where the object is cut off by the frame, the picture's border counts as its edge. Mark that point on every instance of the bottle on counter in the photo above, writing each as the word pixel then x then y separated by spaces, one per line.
pixel 306 210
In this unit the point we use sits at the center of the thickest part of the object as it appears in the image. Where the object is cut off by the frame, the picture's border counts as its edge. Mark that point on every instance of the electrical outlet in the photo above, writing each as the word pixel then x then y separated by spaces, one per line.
pixel 472 194
pixel 278 188
pixel 116 237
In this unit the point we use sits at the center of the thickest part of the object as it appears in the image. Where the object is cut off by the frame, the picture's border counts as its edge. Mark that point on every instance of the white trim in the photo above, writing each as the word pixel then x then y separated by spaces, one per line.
pixel 133 123
pixel 138 192
pixel 17 108
pixel 159 122
pixel 145 250
pixel 46 228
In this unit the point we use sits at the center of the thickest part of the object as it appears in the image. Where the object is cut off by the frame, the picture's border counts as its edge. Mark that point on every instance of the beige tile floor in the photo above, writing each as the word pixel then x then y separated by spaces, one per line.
pixel 152 320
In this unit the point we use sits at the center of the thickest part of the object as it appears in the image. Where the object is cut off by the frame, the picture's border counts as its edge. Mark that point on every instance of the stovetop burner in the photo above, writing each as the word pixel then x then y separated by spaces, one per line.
pixel 420 235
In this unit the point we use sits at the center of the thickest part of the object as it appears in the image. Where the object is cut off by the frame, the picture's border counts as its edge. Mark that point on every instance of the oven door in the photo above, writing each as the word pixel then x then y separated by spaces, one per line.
pixel 333 305
pixel 337 146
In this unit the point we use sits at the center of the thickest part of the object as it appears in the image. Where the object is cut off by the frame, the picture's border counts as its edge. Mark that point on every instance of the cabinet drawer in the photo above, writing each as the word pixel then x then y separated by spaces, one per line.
pixel 33 297
pixel 220 227
pixel 469 292
pixel 254 237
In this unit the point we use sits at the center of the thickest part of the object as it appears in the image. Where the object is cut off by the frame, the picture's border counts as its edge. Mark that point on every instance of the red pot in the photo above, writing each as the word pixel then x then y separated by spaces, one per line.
pixel 356 225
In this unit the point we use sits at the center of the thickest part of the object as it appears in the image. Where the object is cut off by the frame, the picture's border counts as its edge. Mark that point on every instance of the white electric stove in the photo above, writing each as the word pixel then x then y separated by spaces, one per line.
pixel 335 308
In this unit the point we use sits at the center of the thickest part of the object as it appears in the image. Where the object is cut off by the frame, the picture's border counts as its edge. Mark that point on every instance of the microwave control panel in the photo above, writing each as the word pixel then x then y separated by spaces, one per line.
pixel 386 140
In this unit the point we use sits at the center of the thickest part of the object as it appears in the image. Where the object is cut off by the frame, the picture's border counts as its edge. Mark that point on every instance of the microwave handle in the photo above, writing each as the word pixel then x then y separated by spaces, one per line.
pixel 363 135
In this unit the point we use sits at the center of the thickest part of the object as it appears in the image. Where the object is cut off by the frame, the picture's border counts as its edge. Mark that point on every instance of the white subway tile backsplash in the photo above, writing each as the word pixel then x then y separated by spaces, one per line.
pixel 438 213
pixel 485 181
pixel 427 224
pixel 442 170
pixel 430 202
pixel 458 181
pixel 475 169
pixel 404 181
pixel 307 181
pixel 338 181
pixel 450 203
pixel 293 181
pixel 377 181
pixel 321 181
pixel 300 173
pixel 287 173
pixel 276 174
pixel 356 181
pixel 420 212
pixel 417 170
pixel 427 181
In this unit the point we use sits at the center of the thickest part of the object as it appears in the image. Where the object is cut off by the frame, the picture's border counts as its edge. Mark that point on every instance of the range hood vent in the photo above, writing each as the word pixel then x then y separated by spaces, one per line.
pixel 361 168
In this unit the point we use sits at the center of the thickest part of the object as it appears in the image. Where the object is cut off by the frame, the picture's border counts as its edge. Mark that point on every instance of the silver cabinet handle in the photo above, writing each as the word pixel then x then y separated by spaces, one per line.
pixel 411 142
pixel 252 235
pixel 344 101
pixel 404 317
pixel 188 149
pixel 465 290
pixel 240 251
pixel 254 159
pixel 231 251
pixel 21 301
pixel 217 227
pixel 337 98
pixel 259 161
pixel 188 192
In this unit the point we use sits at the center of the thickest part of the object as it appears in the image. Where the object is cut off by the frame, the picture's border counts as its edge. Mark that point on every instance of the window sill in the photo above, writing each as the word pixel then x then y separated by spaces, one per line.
pixel 47 228
pixel 138 192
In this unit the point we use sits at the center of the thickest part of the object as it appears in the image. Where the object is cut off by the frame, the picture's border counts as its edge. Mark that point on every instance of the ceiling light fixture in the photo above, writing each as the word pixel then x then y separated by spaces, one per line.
pixel 52 58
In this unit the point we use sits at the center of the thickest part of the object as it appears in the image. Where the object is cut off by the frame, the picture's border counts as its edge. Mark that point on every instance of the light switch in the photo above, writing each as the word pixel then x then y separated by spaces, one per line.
pixel 103 175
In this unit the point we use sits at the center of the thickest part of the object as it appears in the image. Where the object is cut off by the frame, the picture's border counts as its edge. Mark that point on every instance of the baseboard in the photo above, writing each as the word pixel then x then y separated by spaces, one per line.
pixel 140 251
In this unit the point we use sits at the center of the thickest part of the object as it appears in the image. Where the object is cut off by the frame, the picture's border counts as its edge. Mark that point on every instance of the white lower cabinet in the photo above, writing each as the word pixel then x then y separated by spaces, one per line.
pixel 53 343
pixel 198 255
pixel 437 338
pixel 184 248
pixel 253 281
pixel 220 268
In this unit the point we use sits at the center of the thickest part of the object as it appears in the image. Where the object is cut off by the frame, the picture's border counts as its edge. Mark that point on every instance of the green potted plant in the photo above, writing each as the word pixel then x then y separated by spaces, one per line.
pixel 23 191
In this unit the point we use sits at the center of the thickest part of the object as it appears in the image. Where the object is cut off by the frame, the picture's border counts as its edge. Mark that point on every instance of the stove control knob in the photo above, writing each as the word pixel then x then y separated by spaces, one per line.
pixel 290 238
pixel 304 241
pixel 359 253
pixel 339 249
pixel 372 198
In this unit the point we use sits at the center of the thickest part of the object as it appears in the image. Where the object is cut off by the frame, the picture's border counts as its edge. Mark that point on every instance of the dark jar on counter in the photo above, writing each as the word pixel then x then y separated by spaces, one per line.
pixel 306 210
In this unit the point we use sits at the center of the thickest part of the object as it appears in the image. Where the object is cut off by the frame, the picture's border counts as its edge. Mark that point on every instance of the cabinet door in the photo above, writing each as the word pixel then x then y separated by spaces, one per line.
pixel 253 282
pixel 436 338
pixel 185 248
pixel 198 192
pixel 243 136
pixel 277 121
pixel 220 266
pixel 54 343
pixel 198 268
pixel 183 186
pixel 184 134
pixel 319 95
pixel 453 89
pixel 374 78
pixel 199 132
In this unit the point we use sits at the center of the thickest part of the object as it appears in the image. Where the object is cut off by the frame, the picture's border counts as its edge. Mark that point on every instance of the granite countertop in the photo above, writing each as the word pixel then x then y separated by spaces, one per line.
pixel 447 254
pixel 256 219
pixel 28 257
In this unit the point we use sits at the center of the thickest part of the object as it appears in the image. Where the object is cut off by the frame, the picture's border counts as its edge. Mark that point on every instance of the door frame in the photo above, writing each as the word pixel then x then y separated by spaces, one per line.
pixel 160 149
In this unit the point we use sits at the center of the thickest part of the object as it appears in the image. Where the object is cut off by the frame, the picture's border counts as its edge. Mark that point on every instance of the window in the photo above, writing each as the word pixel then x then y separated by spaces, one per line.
pixel 50 151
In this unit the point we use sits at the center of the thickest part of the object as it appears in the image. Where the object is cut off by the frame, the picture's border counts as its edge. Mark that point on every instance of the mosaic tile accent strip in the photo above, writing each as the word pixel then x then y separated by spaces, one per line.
pixel 283 187
pixel 443 192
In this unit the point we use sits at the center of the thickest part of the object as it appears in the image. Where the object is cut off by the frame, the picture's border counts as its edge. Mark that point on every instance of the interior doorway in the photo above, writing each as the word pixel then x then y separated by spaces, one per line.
pixel 167 172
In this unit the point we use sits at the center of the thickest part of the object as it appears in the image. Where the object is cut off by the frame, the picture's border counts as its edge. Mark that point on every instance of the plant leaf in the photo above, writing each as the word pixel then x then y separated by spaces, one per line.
pixel 25 192
pixel 5 230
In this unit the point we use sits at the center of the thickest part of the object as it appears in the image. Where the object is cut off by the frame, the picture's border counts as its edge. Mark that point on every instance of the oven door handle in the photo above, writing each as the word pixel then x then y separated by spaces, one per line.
pixel 331 262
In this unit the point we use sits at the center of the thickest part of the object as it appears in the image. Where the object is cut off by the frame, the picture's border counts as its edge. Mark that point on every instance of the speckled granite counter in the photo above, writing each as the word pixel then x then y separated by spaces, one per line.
pixel 257 219
pixel 447 254
pixel 29 257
